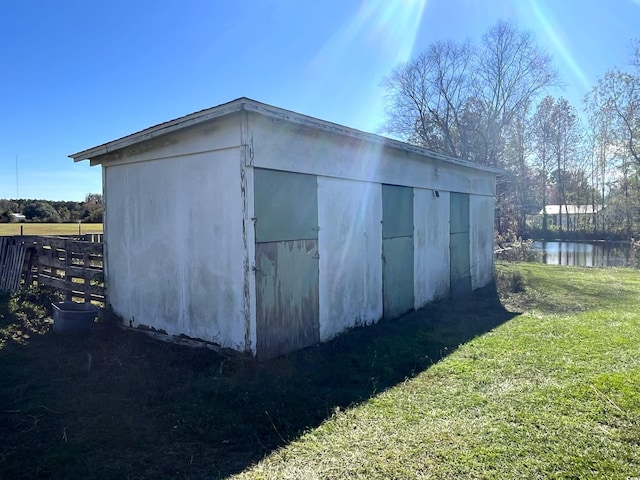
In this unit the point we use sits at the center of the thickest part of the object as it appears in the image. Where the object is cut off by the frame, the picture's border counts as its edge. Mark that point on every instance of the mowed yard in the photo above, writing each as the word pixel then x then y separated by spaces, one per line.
pixel 9 229
pixel 541 380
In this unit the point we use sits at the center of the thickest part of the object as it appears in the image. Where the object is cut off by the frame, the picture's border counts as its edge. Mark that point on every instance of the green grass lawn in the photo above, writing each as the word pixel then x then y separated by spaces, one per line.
pixel 540 382
pixel 8 229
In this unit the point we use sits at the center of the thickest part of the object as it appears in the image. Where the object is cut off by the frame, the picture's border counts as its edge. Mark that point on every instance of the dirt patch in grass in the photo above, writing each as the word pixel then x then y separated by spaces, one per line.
pixel 118 404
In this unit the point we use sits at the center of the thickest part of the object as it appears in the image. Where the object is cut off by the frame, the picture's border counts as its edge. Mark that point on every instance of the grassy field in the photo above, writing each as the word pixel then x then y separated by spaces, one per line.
pixel 7 229
pixel 540 382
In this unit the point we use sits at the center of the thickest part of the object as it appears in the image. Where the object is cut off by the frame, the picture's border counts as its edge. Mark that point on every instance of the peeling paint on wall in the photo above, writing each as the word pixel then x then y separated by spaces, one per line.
pixel 287 297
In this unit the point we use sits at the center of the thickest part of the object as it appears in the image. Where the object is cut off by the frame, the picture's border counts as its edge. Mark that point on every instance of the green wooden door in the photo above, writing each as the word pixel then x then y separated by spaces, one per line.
pixel 459 246
pixel 287 300
pixel 397 250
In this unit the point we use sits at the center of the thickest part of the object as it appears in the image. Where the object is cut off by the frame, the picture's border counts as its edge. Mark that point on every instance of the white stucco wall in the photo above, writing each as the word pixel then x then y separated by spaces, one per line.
pixel 299 148
pixel 431 246
pixel 174 235
pixel 350 248
pixel 481 219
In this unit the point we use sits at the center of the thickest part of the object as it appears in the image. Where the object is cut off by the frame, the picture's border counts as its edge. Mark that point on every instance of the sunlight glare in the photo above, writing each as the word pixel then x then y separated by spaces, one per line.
pixel 378 36
pixel 381 34
pixel 388 27
pixel 558 43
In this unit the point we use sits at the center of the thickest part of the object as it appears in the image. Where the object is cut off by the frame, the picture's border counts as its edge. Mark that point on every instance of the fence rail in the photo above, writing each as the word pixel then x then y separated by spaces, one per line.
pixel 73 267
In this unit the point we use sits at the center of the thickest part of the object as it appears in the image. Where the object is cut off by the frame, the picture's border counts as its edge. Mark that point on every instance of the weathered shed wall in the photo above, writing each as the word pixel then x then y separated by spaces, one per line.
pixel 481 218
pixel 173 230
pixel 431 259
pixel 350 174
pixel 215 135
pixel 301 148
pixel 350 246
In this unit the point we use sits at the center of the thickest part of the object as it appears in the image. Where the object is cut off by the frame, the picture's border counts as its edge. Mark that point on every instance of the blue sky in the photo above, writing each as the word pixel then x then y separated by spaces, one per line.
pixel 78 73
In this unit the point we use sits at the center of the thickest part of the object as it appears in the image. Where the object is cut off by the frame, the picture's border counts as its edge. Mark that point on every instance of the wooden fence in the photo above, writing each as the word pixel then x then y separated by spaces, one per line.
pixel 73 267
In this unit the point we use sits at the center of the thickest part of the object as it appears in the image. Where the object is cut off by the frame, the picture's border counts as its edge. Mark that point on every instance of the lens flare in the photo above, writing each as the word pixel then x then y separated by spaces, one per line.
pixel 544 18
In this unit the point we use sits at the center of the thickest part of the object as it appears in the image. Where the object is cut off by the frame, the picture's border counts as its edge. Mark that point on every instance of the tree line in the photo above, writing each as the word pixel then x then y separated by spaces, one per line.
pixel 491 102
pixel 48 211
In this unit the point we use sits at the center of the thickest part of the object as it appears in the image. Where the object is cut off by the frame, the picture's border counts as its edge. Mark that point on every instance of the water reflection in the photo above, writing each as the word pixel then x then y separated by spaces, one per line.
pixel 584 254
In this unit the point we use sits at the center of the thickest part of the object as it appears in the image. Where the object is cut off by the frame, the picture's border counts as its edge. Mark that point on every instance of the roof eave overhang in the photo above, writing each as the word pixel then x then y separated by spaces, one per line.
pixel 247 104
pixel 158 130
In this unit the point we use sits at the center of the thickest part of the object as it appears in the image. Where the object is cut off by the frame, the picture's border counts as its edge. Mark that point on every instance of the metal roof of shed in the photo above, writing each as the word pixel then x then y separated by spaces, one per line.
pixel 247 104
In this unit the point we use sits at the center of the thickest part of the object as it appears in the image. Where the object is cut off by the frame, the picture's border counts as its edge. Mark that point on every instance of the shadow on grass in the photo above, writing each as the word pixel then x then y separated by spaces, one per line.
pixel 121 405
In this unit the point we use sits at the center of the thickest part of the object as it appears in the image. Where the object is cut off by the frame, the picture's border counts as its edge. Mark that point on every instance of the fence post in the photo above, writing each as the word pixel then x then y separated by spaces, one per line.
pixel 68 294
pixel 28 276
pixel 86 258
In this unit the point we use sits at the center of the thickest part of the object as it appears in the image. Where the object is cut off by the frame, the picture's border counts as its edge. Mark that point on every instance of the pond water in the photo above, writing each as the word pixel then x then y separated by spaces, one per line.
pixel 585 254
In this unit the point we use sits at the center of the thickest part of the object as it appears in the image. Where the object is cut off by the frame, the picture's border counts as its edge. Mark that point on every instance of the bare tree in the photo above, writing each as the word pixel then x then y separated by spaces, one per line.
pixel 614 115
pixel 459 99
pixel 512 71
pixel 426 97
pixel 542 132
pixel 625 182
pixel 565 147
pixel 517 150
pixel 603 162
pixel 616 97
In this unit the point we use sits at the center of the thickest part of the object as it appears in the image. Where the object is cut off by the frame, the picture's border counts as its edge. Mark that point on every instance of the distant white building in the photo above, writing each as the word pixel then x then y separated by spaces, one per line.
pixel 17 217
pixel 567 216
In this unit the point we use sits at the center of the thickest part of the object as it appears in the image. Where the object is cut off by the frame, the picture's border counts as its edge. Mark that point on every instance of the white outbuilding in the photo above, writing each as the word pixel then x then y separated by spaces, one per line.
pixel 267 231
